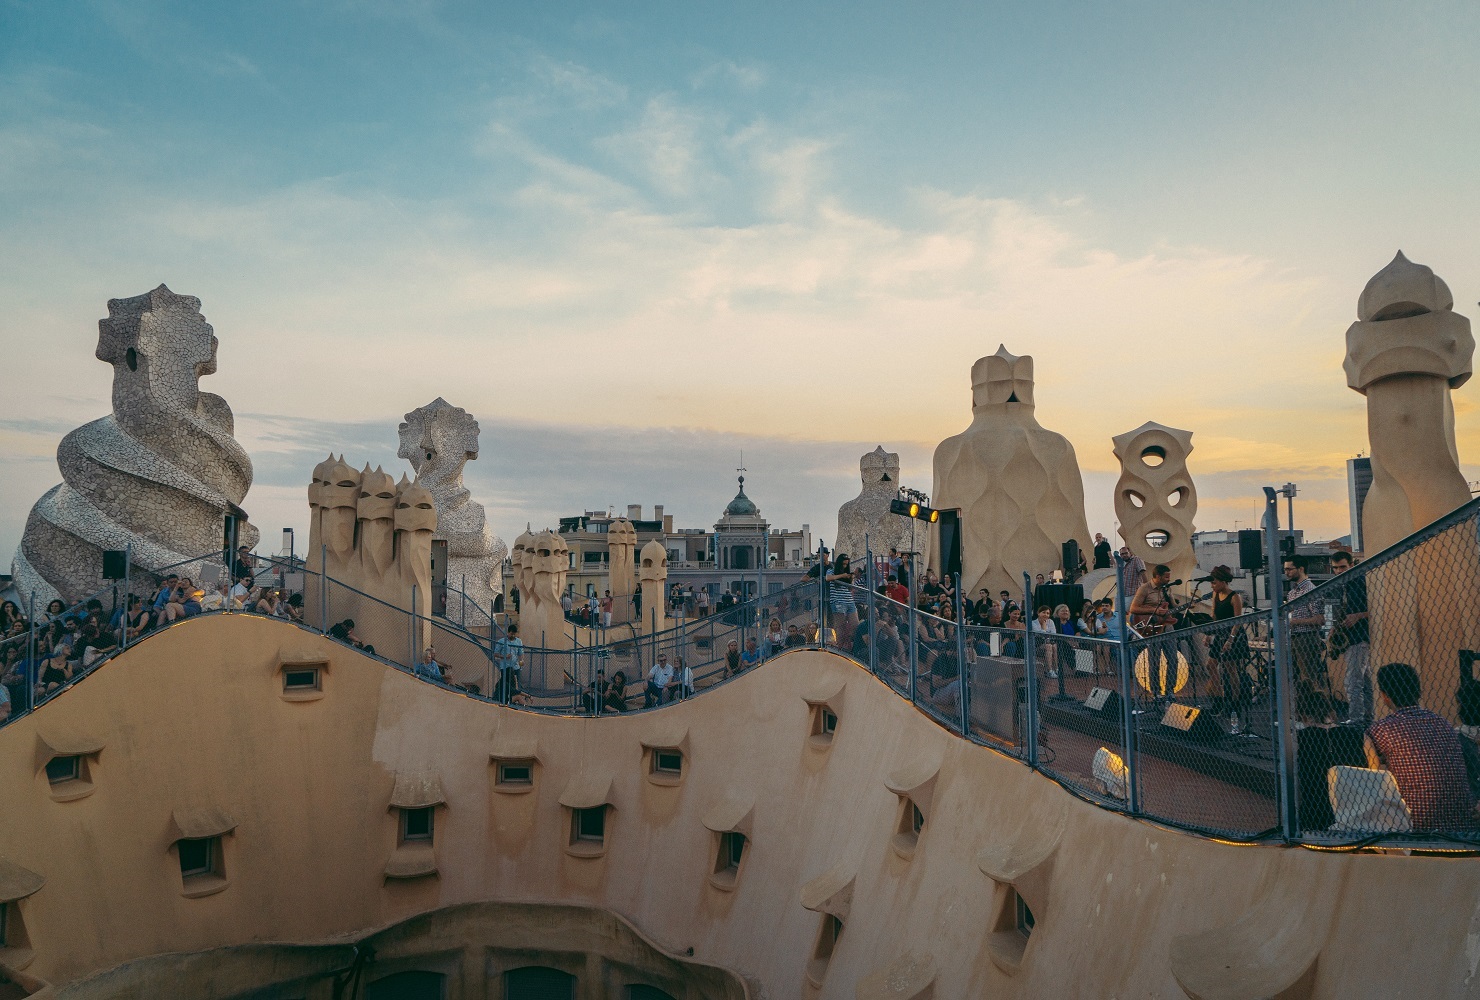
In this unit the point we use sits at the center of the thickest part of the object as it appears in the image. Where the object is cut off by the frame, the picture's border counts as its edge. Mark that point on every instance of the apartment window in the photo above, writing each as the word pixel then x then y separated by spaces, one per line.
pixel 416 825
pixel 199 858
pixel 60 769
pixel 299 680
pixel 588 826
pixel 1023 916
pixel 668 762
pixel 516 773
pixel 731 850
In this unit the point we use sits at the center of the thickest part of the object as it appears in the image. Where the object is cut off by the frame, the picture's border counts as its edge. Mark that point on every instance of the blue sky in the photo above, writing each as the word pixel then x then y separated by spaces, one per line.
pixel 785 230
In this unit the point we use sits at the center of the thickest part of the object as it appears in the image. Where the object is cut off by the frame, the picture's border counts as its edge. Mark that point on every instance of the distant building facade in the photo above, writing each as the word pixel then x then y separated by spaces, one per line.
pixel 739 555
pixel 1358 482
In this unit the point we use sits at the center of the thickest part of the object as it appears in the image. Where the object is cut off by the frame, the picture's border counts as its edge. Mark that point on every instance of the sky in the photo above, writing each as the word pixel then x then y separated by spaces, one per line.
pixel 648 244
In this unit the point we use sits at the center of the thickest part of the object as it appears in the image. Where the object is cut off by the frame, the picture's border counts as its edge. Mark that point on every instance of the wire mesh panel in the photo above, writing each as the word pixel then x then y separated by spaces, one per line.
pixel 1081 718
pixel 997 687
pixel 1204 727
pixel 1387 696
pixel 938 670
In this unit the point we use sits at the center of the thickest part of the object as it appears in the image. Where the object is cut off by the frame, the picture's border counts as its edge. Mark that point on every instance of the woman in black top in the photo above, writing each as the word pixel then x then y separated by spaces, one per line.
pixel 1229 649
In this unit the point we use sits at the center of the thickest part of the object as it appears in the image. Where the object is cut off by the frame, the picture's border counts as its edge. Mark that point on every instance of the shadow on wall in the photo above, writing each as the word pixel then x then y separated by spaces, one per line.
pixel 543 951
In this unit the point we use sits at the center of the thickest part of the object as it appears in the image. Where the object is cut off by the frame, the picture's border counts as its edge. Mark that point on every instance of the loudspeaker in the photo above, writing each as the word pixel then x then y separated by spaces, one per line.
pixel 115 564
pixel 1250 548
pixel 1069 552
pixel 950 543
pixel 1103 701
pixel 1192 721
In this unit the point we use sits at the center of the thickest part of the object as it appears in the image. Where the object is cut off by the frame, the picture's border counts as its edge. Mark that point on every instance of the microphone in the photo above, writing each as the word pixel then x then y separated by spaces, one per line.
pixel 1175 583
pixel 1202 579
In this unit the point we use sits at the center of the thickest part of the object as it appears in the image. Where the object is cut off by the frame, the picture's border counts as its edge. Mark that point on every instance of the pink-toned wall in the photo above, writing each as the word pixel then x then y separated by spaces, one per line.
pixel 194 719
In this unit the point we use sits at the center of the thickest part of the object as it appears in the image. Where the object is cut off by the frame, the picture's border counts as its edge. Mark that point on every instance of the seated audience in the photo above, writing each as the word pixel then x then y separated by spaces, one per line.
pixel 1424 753
pixel 751 657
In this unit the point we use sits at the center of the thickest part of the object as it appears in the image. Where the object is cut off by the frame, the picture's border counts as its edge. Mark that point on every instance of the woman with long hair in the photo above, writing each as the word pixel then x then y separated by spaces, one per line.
pixel 840 603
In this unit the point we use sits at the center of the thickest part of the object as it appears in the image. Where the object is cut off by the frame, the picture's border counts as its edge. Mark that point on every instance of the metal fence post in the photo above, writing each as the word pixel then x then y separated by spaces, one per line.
pixel 1279 639
pixel 31 658
pixel 914 651
pixel 128 551
pixel 411 631
pixel 873 612
pixel 962 677
pixel 324 589
pixel 1030 673
pixel 821 597
pixel 1127 687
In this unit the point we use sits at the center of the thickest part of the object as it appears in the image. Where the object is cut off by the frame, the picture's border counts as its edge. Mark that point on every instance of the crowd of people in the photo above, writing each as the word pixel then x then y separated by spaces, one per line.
pixel 69 642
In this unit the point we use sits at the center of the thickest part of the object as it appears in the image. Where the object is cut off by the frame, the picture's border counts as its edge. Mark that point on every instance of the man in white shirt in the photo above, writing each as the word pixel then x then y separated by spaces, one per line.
pixel 659 680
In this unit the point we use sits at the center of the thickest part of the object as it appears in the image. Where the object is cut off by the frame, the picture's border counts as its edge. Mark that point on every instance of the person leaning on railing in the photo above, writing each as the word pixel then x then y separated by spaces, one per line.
pixel 1436 768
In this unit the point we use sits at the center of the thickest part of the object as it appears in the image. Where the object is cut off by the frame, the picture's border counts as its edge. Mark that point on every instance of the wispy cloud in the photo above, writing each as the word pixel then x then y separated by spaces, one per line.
pixel 695 268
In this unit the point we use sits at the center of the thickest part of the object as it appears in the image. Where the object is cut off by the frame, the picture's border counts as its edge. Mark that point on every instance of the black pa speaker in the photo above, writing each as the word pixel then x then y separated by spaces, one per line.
pixel 1103 701
pixel 1196 723
pixel 1250 548
pixel 950 543
pixel 115 564
pixel 1069 552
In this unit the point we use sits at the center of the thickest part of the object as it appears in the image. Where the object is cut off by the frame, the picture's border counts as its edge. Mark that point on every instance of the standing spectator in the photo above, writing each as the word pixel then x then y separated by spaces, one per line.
pixel 1133 574
pixel 702 599
pixel 606 609
pixel 1312 682
pixel 244 567
pixel 566 603
pixel 1354 633
pixel 840 599
pixel 1424 754
pixel 1102 552
pixel 508 659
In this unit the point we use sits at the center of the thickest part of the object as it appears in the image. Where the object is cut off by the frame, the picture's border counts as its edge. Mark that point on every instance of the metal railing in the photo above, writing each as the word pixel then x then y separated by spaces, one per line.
pixel 1257 728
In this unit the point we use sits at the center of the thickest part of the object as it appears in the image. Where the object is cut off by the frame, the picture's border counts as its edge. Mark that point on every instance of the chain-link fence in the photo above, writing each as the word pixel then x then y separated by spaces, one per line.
pixel 1348 717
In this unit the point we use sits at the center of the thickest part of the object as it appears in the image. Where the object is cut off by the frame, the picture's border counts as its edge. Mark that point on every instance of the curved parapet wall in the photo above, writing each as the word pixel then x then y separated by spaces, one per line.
pixel 877 850
pixel 158 474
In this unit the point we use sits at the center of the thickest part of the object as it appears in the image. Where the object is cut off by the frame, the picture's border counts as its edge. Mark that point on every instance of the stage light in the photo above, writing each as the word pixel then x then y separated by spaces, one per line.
pixel 1169 677
pixel 914 510
pixel 934 516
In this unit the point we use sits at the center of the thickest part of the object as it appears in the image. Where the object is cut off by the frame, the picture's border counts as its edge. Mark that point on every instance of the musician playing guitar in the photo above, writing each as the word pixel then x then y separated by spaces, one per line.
pixel 1151 614
pixel 1152 604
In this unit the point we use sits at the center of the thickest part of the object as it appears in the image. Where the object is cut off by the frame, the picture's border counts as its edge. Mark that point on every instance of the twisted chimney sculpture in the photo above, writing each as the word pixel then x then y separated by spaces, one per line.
pixel 438 440
pixel 157 475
